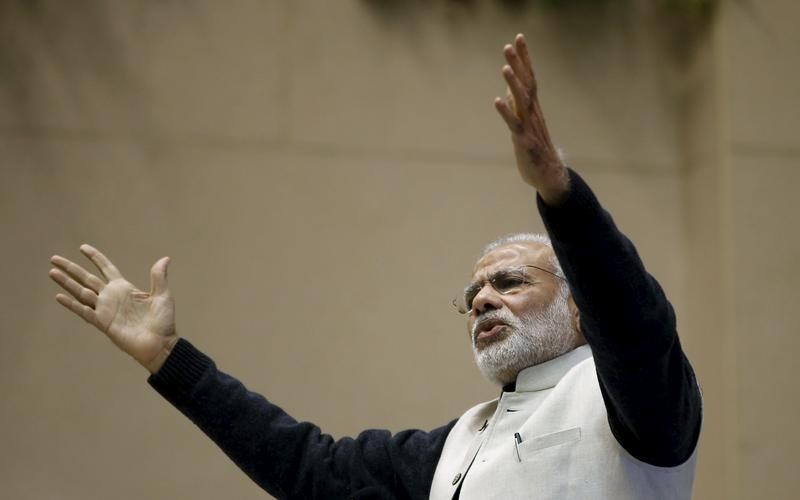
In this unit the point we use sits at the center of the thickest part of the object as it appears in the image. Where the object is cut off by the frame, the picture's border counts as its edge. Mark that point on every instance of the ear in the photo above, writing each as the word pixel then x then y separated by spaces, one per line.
pixel 576 320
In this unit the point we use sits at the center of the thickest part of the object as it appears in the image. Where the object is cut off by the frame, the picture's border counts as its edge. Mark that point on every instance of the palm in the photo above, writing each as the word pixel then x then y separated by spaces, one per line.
pixel 141 324
pixel 134 320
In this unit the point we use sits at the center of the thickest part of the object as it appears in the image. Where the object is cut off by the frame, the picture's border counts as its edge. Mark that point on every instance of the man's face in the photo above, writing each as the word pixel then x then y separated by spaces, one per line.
pixel 512 331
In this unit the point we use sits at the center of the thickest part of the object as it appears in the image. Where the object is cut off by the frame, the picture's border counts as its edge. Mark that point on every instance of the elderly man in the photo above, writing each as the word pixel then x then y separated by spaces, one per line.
pixel 618 418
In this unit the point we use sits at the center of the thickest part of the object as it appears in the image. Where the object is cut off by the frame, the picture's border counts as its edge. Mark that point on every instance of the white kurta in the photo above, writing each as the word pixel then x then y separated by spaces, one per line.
pixel 565 448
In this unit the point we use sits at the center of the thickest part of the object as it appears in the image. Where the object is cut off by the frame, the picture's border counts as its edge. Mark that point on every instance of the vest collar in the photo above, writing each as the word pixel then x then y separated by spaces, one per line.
pixel 546 375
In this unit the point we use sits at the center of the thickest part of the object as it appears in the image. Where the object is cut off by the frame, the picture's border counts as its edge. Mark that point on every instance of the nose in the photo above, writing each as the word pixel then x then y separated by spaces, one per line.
pixel 487 299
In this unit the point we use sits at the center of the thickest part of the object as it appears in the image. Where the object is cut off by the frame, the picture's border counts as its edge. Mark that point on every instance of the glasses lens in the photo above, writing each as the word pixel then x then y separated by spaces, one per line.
pixel 462 302
pixel 504 282
pixel 509 281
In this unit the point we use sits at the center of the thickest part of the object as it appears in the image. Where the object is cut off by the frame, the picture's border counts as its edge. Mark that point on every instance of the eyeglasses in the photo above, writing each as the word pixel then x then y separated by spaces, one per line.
pixel 504 281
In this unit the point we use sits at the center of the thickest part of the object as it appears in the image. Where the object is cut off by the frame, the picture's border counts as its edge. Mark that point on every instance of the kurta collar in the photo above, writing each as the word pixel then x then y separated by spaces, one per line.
pixel 547 374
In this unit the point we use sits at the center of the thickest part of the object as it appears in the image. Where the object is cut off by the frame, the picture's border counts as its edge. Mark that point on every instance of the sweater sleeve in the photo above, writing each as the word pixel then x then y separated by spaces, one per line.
pixel 292 459
pixel 648 386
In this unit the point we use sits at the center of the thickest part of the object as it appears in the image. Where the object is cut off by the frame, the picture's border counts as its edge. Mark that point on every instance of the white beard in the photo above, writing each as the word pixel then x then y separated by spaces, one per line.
pixel 531 339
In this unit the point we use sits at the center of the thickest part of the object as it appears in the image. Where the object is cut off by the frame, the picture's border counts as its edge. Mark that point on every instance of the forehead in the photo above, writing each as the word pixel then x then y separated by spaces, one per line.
pixel 513 255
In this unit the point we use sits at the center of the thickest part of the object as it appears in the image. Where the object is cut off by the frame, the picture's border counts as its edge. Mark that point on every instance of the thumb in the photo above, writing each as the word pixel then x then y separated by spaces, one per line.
pixel 158 277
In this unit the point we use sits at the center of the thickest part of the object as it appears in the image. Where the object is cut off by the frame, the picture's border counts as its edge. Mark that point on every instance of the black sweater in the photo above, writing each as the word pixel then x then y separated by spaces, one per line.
pixel 648 386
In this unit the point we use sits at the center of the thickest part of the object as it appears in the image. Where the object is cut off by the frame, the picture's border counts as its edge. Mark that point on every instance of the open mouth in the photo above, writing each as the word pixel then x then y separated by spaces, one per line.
pixel 489 330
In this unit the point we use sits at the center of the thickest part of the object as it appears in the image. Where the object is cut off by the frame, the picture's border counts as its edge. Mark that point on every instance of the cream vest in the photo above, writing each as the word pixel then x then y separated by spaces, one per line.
pixel 564 448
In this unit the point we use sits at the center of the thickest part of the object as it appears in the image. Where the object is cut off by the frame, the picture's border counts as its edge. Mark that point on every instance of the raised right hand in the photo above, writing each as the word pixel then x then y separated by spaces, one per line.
pixel 141 324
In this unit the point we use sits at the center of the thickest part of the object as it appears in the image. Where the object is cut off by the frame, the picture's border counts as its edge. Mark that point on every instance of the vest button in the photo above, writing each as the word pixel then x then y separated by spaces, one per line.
pixel 455 479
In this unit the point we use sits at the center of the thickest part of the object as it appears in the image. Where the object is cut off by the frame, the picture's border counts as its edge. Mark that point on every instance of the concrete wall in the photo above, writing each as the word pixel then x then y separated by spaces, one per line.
pixel 322 175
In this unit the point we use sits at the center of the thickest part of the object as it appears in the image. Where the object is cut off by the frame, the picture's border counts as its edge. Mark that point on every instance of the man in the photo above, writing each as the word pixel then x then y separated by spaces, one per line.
pixel 618 418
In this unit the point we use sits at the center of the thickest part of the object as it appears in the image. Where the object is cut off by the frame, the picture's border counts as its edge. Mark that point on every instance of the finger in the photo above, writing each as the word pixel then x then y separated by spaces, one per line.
pixel 85 312
pixel 83 276
pixel 158 277
pixel 524 57
pixel 517 91
pixel 516 64
pixel 510 101
pixel 83 294
pixel 101 261
pixel 508 115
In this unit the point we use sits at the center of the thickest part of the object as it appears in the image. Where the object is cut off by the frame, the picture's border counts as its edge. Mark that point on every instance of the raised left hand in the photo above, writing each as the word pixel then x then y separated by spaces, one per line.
pixel 538 160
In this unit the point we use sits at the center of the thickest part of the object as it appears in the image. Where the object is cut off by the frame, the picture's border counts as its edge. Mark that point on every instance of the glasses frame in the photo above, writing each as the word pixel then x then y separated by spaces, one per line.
pixel 490 281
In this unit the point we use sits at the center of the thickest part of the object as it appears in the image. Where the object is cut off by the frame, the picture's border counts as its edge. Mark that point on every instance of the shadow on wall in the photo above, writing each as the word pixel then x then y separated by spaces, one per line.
pixel 620 41
pixel 52 47
pixel 679 22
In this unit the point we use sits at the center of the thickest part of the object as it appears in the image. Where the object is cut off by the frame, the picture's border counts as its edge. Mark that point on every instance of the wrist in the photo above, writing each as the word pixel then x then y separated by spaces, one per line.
pixel 555 189
pixel 155 363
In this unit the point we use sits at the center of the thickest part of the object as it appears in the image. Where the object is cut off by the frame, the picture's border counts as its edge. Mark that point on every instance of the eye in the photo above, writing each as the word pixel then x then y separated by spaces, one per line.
pixel 469 297
pixel 508 282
